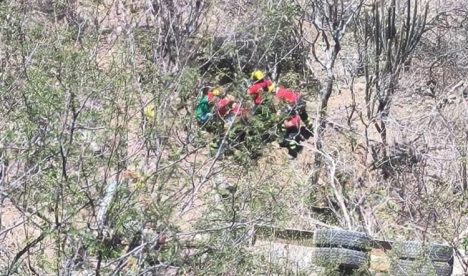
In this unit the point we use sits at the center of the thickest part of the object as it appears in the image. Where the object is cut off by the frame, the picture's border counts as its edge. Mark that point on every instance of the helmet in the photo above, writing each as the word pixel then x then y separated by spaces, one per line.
pixel 217 91
pixel 257 75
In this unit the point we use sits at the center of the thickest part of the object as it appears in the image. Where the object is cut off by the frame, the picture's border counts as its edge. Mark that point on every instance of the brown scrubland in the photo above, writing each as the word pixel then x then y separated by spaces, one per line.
pixel 90 185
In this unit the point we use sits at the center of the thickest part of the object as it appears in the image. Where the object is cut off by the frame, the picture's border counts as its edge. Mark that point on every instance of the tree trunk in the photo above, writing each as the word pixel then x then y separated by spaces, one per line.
pixel 321 123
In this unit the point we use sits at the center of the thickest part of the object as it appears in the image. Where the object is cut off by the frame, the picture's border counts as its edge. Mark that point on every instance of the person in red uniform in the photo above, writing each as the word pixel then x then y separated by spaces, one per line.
pixel 223 106
pixel 228 111
pixel 259 87
pixel 292 105
pixel 292 136
pixel 293 101
pixel 214 94
pixel 213 105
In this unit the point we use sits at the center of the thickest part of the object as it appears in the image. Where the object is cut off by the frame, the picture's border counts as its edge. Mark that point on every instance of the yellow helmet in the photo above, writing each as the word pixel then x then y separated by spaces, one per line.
pixel 217 91
pixel 150 111
pixel 257 75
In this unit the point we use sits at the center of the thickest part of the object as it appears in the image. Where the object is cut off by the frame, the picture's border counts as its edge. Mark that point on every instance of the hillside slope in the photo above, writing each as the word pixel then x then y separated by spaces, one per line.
pixel 89 183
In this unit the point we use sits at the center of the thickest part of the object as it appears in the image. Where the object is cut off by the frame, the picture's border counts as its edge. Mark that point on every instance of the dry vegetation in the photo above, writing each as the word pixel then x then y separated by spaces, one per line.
pixel 88 184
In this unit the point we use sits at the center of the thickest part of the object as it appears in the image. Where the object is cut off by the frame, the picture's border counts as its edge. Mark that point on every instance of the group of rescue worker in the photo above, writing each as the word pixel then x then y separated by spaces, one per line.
pixel 287 106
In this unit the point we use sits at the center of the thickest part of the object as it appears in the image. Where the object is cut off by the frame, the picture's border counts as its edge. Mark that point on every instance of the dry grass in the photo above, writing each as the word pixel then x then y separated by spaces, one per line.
pixel 383 208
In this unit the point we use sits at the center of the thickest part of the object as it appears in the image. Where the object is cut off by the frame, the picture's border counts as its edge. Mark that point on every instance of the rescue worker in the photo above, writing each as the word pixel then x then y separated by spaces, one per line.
pixel 294 101
pixel 222 110
pixel 203 111
pixel 237 119
pixel 260 86
pixel 296 126
pixel 228 110
pixel 223 106
pixel 292 136
pixel 215 94
pixel 263 109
